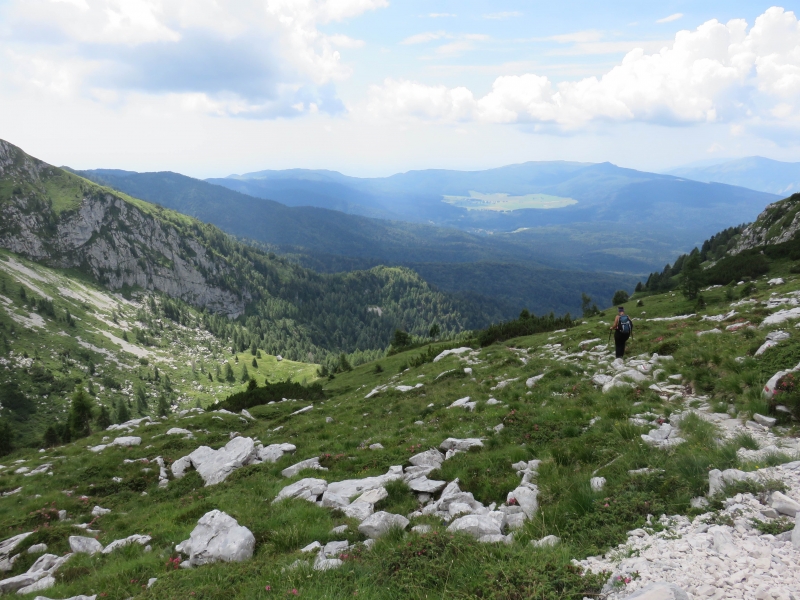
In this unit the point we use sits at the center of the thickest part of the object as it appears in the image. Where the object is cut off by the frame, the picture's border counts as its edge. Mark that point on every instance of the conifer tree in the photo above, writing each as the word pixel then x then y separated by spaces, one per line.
pixel 80 414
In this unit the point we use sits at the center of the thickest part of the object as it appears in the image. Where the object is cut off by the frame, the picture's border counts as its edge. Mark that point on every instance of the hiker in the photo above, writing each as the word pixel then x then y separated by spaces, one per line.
pixel 622 328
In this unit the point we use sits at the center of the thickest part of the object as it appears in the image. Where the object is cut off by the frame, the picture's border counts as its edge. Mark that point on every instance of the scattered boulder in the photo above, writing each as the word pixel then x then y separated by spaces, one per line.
pixel 274 452
pixel 456 351
pixel 479 526
pixel 597 483
pixel 179 431
pixel 784 504
pixel 142 540
pixel 305 489
pixel 460 445
pixel 37 548
pixel 765 421
pixel 547 541
pixel 526 496
pixel 310 463
pixel 215 465
pixel 84 545
pixel 217 537
pixel 380 523
pixel 429 458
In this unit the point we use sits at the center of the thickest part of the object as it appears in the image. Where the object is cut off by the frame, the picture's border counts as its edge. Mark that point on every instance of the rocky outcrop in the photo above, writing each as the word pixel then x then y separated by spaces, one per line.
pixel 217 537
pixel 778 223
pixel 100 232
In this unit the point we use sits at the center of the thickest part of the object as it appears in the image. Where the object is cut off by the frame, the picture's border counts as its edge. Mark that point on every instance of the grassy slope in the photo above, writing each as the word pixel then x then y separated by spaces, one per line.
pixel 56 361
pixel 551 423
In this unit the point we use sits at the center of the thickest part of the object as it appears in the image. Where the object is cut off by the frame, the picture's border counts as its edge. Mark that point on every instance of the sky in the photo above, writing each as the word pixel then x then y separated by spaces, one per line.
pixel 373 87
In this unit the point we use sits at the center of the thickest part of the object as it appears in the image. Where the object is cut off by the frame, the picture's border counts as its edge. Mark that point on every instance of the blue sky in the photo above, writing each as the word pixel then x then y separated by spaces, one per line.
pixel 373 87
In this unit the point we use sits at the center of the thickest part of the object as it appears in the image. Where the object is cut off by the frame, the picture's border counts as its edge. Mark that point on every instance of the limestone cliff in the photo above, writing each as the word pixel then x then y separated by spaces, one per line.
pixel 778 223
pixel 61 220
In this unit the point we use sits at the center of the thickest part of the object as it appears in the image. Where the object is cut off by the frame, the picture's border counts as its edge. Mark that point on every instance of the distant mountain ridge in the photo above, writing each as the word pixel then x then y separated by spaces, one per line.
pixel 603 191
pixel 754 172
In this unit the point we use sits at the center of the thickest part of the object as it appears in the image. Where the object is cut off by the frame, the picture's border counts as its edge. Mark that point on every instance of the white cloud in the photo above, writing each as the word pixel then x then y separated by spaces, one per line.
pixel 424 37
pixel 707 75
pixel 440 15
pixel 244 55
pixel 671 18
pixel 503 15
pixel 590 35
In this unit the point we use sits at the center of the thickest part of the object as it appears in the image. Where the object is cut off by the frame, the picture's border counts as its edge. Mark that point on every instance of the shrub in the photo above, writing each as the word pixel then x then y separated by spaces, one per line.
pixel 255 396
pixel 620 297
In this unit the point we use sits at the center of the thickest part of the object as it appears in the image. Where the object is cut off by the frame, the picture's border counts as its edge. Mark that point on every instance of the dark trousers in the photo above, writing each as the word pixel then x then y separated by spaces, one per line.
pixel 619 341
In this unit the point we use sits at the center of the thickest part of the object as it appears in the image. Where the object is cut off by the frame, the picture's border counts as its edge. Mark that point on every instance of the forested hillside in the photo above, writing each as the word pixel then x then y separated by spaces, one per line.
pixel 455 261
pixel 64 221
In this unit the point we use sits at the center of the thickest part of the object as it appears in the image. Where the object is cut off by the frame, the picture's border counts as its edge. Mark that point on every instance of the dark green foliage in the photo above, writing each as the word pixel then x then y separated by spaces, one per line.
pixel 774 527
pixel 344 364
pixel 15 401
pixel 523 326
pixel 434 331
pixel 80 414
pixel 691 277
pixel 400 340
pixel 103 418
pixel 270 392
pixel 588 308
pixel 123 414
pixel 377 368
pixel 6 438
pixel 749 263
pixel 254 364
pixel 245 375
pixel 51 437
pixel 163 406
pixel 229 377
pixel 620 297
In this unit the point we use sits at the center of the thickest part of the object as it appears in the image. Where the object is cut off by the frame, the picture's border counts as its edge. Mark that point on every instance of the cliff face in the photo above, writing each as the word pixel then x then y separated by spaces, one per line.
pixel 778 223
pixel 87 227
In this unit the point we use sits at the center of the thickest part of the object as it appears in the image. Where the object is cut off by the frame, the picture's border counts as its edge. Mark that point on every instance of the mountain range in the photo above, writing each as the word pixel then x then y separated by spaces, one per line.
pixel 754 172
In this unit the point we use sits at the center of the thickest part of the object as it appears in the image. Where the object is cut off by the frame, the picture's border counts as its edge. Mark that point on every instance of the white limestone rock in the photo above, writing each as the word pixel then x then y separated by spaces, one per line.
pixel 309 463
pixel 380 523
pixel 547 541
pixel 218 537
pixel 214 466
pixel 136 538
pixel 84 545
pixel 660 590
pixel 429 458
pixel 526 497
pixel 460 444
pixel 478 526
pixel 305 489
pixel 274 452
pixel 784 504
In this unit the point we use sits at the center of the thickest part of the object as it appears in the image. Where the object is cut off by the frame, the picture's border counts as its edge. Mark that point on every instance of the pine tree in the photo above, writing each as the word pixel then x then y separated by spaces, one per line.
pixel 6 437
pixel 103 418
pixel 163 406
pixel 80 414
pixel 691 276
pixel 254 363
pixel 434 331
pixel 229 372
pixel 123 414
pixel 245 374
pixel 51 437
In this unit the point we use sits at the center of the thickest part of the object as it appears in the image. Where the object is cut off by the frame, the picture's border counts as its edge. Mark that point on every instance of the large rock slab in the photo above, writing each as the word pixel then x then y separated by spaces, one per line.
pixel 309 463
pixel 429 458
pixel 131 539
pixel 218 537
pixel 214 466
pixel 784 504
pixel 84 545
pixel 305 489
pixel 461 444
pixel 526 497
pixel 478 526
pixel 273 452
pixel 350 488
pixel 380 523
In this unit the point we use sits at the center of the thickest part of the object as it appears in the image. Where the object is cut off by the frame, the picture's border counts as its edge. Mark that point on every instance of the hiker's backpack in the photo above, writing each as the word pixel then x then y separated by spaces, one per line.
pixel 625 325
